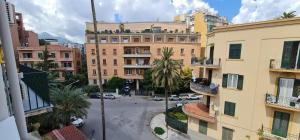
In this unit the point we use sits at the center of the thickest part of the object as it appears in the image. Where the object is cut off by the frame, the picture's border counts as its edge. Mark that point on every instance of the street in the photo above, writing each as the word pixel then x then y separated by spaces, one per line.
pixel 127 118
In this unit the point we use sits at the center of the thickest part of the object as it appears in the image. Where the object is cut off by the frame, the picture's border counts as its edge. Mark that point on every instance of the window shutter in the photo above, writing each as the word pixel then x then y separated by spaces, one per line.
pixel 232 109
pixel 224 81
pixel 240 82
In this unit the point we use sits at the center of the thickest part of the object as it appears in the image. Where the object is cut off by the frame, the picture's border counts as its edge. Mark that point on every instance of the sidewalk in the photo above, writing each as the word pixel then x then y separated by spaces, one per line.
pixel 159 121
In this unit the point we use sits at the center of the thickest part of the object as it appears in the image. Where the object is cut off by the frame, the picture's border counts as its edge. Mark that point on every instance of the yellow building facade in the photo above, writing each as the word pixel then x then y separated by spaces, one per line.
pixel 250 83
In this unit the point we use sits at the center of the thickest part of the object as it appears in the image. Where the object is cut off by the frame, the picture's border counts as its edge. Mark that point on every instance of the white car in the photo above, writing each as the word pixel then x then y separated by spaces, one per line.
pixel 109 96
pixel 78 122
pixel 192 97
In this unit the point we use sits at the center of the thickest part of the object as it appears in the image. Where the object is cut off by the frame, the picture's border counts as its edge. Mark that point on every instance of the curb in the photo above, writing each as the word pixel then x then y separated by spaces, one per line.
pixel 152 129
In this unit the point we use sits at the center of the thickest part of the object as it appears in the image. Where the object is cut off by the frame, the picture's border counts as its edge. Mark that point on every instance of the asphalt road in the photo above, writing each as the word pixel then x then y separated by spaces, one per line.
pixel 127 118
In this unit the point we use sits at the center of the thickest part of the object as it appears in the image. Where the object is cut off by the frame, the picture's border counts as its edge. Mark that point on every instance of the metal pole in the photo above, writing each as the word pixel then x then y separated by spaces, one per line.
pixel 14 85
pixel 99 70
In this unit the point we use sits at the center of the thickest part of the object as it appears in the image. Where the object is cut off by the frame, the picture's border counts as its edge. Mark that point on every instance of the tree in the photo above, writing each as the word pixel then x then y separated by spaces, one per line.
pixel 166 73
pixel 46 64
pixel 186 77
pixel 115 82
pixel 147 82
pixel 68 102
pixel 77 80
pixel 286 15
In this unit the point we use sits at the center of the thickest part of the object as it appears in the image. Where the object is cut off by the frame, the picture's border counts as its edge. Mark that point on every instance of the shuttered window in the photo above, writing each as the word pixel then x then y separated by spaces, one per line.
pixel 235 51
pixel 227 134
pixel 203 127
pixel 229 108
pixel 233 81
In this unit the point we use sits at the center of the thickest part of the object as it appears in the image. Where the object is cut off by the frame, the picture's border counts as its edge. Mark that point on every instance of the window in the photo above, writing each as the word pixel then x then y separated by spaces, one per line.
pixel 181 51
pixel 104 62
pixel 280 124
pixel 114 40
pixel 125 40
pixel 115 51
pixel 193 51
pixel 115 62
pixel 203 127
pixel 136 39
pixel 158 51
pixel 147 39
pixel 53 65
pixel 27 55
pixel 95 81
pixel 103 40
pixel 115 72
pixel 67 55
pixel 233 81
pixel 94 72
pixel 93 51
pixel 235 51
pixel 227 134
pixel 158 39
pixel 181 39
pixel 105 72
pixel 128 71
pixel 229 108
pixel 40 55
pixel 104 51
pixel 128 61
pixel 93 61
pixel 290 56
pixel 171 39
pixel 194 39
pixel 52 55
pixel 67 65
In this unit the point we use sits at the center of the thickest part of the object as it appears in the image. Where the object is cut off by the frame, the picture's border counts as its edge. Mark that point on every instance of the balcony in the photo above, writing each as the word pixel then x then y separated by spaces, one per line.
pixel 137 55
pixel 137 66
pixel 276 66
pixel 207 63
pixel 287 103
pixel 203 86
pixel 133 76
pixel 267 134
pixel 199 111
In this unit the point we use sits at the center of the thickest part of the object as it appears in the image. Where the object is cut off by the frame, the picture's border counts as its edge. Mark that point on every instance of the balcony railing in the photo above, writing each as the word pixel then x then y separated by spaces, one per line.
pixel 289 103
pixel 209 63
pixel 137 66
pixel 276 66
pixel 203 87
pixel 137 55
pixel 267 133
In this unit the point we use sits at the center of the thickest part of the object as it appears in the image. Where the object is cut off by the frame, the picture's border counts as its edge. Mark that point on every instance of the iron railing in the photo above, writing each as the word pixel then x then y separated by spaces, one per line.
pixel 176 124
pixel 290 102
pixel 211 89
pixel 267 133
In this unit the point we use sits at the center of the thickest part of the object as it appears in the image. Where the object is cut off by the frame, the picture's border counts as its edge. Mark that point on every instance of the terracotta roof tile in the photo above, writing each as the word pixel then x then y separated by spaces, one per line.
pixel 199 111
pixel 67 133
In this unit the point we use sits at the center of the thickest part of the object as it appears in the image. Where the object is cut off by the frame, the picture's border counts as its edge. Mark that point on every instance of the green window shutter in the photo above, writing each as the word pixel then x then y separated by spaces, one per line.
pixel 240 82
pixel 226 108
pixel 203 127
pixel 224 81
pixel 286 54
pixel 232 109
pixel 235 51
pixel 229 108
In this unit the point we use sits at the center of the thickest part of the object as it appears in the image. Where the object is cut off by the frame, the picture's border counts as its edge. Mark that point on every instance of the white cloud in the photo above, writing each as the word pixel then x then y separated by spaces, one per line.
pixel 259 10
pixel 66 18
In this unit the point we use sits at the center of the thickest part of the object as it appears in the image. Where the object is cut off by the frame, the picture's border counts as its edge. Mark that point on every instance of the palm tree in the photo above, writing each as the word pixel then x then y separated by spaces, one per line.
pixel 286 15
pixel 68 102
pixel 166 73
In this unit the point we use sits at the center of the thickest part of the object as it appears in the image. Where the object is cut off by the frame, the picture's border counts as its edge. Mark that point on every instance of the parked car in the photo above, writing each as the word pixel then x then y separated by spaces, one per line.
pixel 109 96
pixel 126 90
pixel 192 97
pixel 78 122
pixel 174 98
pixel 95 95
pixel 156 98
pixel 181 103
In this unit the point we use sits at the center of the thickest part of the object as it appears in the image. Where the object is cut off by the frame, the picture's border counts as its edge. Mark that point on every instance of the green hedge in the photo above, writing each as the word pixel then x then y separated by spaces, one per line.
pixel 175 123
pixel 159 130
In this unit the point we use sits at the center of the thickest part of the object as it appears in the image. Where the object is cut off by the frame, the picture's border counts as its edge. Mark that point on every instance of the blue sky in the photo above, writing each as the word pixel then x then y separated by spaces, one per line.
pixel 228 8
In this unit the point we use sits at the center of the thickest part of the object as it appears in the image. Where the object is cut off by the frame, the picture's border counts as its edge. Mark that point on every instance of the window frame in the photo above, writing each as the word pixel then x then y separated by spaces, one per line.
pixel 231 52
pixel 229 108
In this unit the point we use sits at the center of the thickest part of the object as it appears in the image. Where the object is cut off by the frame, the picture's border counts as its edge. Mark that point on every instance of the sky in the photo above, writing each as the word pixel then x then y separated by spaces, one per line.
pixel 66 18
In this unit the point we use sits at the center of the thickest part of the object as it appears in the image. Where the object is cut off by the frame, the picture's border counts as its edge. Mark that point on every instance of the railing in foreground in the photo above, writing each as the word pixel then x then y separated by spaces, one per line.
pixel 267 133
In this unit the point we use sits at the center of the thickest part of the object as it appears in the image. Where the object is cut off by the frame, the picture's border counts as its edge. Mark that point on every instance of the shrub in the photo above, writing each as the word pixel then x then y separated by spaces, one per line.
pixel 91 88
pixel 159 130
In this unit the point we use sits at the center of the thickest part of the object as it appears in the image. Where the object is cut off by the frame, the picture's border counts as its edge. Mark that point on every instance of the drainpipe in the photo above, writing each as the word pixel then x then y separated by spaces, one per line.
pixel 12 72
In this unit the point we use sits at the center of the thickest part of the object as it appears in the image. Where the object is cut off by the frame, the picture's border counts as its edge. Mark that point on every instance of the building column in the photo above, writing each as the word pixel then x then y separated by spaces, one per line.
pixel 137 85
pixel 3 102
pixel 12 72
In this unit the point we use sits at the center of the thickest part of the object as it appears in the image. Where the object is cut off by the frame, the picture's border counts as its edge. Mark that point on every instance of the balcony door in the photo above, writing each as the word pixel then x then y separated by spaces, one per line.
pixel 285 91
pixel 290 55
pixel 280 124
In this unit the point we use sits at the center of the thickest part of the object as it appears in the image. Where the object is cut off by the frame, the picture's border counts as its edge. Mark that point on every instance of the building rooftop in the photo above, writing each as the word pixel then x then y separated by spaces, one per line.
pixel 67 133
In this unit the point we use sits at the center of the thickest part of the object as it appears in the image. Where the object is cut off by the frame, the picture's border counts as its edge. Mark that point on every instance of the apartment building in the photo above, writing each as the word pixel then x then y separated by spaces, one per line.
pixel 254 86
pixel 64 59
pixel 127 50
pixel 201 21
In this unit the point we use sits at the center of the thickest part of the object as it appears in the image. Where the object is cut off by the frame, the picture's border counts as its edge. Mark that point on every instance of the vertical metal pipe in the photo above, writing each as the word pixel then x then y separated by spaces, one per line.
pixel 12 73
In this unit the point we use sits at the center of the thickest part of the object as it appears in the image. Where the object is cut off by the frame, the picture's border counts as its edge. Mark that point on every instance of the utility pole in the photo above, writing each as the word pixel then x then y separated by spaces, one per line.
pixel 99 70
pixel 12 73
